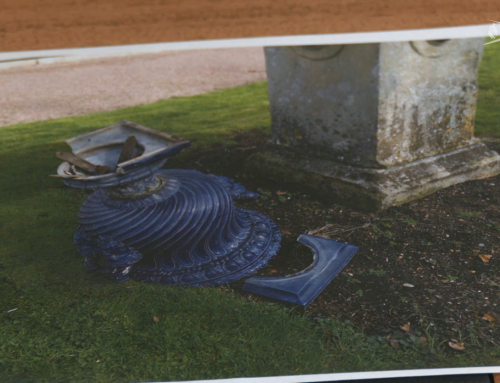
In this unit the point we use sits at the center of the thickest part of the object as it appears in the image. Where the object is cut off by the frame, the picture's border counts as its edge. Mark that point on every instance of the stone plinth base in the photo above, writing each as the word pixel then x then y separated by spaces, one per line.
pixel 375 189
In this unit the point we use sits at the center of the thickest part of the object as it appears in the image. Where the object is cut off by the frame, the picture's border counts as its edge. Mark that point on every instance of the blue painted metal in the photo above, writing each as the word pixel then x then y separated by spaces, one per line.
pixel 175 227
pixel 188 232
pixel 330 257
pixel 103 147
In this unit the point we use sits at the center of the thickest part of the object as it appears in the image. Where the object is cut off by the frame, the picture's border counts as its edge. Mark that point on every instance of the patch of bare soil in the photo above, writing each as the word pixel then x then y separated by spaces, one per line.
pixel 427 269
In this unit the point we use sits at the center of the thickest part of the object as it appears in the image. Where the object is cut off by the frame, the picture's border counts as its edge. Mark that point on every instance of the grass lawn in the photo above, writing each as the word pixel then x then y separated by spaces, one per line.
pixel 71 324
pixel 488 110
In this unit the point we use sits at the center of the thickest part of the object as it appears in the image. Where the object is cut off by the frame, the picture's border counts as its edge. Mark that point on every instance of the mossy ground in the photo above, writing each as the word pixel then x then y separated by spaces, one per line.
pixel 59 322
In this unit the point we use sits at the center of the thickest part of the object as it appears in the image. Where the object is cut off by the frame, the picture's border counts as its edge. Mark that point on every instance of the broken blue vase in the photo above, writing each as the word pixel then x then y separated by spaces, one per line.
pixel 330 257
pixel 177 227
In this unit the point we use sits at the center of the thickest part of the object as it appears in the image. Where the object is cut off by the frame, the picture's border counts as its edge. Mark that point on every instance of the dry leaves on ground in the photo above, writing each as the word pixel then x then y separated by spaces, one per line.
pixel 456 345
pixel 484 257
pixel 491 316
pixel 406 327
pixel 156 319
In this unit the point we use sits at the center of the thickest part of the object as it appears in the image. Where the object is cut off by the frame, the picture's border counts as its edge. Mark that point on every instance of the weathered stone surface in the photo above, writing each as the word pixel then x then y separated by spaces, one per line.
pixel 375 105
pixel 371 188
pixel 375 125
pixel 427 98
pixel 325 104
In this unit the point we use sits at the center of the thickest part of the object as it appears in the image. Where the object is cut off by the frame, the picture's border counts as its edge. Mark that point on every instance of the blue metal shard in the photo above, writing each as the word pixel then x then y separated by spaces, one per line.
pixel 330 257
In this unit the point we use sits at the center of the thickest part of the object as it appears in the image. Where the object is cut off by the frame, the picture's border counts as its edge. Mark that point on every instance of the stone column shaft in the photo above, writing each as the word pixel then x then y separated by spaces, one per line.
pixel 376 124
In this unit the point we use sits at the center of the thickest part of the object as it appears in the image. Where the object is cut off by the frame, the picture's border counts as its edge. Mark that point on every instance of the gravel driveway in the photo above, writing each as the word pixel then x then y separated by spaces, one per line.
pixel 69 89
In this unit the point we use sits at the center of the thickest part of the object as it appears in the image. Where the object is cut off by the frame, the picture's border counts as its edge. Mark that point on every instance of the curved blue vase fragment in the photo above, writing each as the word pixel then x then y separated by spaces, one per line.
pixel 172 226
pixel 330 257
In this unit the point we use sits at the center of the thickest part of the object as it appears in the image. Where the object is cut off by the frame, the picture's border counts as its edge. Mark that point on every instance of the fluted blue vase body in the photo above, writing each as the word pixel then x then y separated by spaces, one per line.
pixel 176 227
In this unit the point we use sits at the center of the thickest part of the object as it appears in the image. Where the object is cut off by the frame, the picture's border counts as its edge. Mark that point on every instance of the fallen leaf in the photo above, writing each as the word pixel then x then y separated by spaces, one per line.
pixel 407 285
pixel 491 316
pixel 281 192
pixel 406 327
pixel 423 339
pixel 456 345
pixel 156 319
pixel 484 257
pixel 273 271
pixel 286 232
pixel 394 343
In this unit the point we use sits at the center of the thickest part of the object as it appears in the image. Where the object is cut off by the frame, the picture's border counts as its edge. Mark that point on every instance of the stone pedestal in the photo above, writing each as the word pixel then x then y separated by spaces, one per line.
pixel 375 125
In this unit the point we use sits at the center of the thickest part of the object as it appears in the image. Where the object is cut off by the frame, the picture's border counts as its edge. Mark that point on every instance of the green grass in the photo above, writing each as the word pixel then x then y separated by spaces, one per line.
pixel 488 101
pixel 72 324
pixel 469 215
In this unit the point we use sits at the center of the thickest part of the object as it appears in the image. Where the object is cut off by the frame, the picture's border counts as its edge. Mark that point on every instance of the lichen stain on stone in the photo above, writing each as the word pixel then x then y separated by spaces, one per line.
pixel 372 189
pixel 409 131
pixel 411 108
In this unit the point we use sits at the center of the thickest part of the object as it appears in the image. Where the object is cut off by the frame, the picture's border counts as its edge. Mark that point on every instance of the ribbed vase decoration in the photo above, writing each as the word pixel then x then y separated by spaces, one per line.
pixel 177 227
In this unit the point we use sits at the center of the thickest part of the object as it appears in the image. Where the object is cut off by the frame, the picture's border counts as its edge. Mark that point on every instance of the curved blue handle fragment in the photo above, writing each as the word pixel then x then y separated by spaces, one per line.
pixel 330 257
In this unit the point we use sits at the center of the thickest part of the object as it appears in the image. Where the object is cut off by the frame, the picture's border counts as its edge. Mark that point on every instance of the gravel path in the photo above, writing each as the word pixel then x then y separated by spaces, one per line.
pixel 70 89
